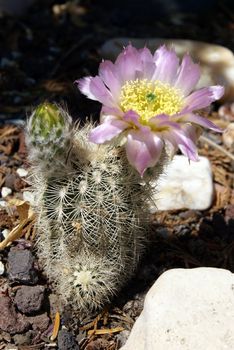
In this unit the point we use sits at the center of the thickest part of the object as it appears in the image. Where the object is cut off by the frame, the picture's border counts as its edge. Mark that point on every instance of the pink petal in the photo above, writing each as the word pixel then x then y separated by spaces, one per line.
pixel 128 63
pixel 178 138
pixel 132 117
pixel 84 87
pixel 162 121
pixel 101 93
pixel 148 65
pixel 188 75
pixel 94 88
pixel 146 55
pixel 166 65
pixel 192 131
pixel 202 98
pixel 115 111
pixel 107 72
pixel 196 119
pixel 143 150
pixel 107 131
pixel 108 118
pixel 134 121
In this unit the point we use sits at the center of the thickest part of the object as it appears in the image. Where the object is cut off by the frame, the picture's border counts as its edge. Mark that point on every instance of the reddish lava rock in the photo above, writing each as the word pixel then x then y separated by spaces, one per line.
pixel 9 181
pixel 10 321
pixel 29 299
pixel 39 322
pixel 98 344
pixel 66 341
pixel 21 266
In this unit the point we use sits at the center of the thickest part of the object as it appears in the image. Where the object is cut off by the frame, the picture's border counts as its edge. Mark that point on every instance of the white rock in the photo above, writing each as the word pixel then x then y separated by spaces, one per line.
pixel 29 197
pixel 217 62
pixel 185 184
pixel 122 337
pixel 22 172
pixel 3 203
pixel 6 191
pixel 187 309
pixel 2 268
pixel 228 136
pixel 5 232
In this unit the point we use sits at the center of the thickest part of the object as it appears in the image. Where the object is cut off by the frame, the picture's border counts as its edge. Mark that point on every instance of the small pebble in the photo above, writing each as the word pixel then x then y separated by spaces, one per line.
pixel 19 184
pixel 66 341
pixel 3 204
pixel 6 191
pixel 23 339
pixel 21 266
pixel 28 197
pixel 39 322
pixel 22 172
pixel 2 268
pixel 228 136
pixel 122 337
pixel 5 232
pixel 29 299
pixel 9 181
pixel 11 321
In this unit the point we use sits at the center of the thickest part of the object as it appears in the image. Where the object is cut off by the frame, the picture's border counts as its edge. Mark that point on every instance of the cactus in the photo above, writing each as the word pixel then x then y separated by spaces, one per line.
pixel 92 209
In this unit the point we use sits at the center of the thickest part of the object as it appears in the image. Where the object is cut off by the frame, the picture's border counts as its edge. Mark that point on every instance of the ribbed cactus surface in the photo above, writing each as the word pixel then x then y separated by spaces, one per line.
pixel 92 211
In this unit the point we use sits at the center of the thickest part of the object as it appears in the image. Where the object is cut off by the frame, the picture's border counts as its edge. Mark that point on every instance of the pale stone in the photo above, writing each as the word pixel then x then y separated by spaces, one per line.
pixel 187 309
pixel 228 136
pixel 6 191
pixel 184 184
pixel 5 232
pixel 3 203
pixel 217 62
pixel 29 197
pixel 22 172
pixel 2 268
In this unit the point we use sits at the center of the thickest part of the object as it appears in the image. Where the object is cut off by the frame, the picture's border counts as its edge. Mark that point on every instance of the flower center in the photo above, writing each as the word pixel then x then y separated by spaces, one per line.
pixel 149 98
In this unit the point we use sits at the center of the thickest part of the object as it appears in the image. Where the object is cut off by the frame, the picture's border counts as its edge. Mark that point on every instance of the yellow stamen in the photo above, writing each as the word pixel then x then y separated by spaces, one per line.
pixel 150 98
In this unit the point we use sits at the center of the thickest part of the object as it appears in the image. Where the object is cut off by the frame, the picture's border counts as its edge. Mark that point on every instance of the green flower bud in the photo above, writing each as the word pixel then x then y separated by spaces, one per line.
pixel 49 131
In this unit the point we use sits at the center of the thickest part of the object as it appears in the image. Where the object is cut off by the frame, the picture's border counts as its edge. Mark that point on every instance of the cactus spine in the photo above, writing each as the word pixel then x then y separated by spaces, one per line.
pixel 91 207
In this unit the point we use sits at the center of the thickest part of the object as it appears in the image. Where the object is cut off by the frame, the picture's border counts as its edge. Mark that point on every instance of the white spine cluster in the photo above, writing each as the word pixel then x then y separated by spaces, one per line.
pixel 92 219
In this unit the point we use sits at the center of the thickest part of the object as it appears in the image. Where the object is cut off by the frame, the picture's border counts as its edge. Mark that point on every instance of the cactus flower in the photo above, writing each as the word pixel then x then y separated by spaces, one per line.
pixel 149 101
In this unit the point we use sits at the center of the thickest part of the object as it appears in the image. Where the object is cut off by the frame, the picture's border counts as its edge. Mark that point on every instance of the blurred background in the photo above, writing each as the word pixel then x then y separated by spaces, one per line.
pixel 46 45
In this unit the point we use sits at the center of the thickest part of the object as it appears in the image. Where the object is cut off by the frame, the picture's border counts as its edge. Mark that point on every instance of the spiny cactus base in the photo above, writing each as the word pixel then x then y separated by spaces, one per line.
pixel 92 215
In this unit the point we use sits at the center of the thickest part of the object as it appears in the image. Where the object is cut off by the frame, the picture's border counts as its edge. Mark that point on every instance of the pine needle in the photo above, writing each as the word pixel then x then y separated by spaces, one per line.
pixel 105 331
pixel 218 147
pixel 56 327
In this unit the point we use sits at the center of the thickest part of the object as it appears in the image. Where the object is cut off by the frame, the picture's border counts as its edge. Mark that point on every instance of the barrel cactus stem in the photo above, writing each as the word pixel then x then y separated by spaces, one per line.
pixel 92 210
